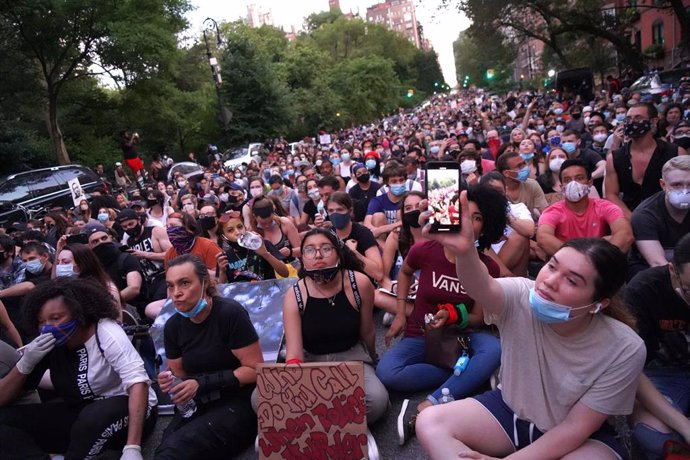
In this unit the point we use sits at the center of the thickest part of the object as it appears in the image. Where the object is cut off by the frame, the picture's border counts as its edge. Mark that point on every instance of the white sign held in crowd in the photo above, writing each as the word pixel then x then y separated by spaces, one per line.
pixel 77 191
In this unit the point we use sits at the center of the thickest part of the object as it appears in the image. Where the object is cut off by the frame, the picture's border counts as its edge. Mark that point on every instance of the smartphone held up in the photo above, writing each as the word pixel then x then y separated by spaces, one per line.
pixel 443 196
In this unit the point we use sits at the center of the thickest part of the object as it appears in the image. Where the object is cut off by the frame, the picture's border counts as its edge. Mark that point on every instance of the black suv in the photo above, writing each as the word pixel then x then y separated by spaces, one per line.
pixel 27 194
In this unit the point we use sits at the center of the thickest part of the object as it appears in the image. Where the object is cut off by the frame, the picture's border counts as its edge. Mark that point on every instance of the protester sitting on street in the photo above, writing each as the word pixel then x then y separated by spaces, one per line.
pixel 357 237
pixel 403 367
pixel 382 212
pixel 660 300
pixel 634 170
pixel 183 233
pixel 557 386
pixel 212 345
pixel 238 263
pixel 328 314
pixel 519 187
pixel 106 401
pixel 279 233
pixel 310 210
pixel 662 219
pixel 579 216
pixel 398 244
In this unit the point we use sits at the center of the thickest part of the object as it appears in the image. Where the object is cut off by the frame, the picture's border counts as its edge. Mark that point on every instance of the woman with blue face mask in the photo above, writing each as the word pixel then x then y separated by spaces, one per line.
pixel 211 344
pixel 569 357
pixel 77 260
pixel 106 401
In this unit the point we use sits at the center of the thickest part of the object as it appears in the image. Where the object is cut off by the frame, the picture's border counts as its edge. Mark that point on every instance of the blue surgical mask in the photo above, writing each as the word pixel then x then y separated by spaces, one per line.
pixel 103 217
pixel 335 162
pixel 540 128
pixel 198 308
pixel 62 332
pixel 34 266
pixel 558 111
pixel 549 312
pixel 370 164
pixel 66 270
pixel 398 190
pixel 345 157
pixel 620 117
pixel 435 149
pixel 523 174
pixel 569 147
pixel 527 156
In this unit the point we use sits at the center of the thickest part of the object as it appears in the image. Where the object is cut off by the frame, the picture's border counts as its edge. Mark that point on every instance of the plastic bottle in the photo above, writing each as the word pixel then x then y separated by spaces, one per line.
pixel 250 240
pixel 446 397
pixel 461 364
pixel 187 409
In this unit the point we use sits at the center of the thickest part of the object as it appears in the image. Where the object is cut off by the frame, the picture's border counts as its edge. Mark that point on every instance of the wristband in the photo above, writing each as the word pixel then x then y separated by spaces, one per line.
pixel 452 314
pixel 293 361
pixel 464 316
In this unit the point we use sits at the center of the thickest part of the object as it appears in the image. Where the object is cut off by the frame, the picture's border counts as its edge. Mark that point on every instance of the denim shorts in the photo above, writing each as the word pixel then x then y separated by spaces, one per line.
pixel 522 433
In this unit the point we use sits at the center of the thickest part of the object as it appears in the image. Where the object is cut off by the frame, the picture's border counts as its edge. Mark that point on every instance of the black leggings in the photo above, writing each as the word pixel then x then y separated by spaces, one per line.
pixel 218 430
pixel 79 431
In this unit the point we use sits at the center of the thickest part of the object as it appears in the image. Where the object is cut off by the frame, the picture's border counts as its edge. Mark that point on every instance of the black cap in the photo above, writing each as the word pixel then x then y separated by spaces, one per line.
pixel 93 228
pixel 127 214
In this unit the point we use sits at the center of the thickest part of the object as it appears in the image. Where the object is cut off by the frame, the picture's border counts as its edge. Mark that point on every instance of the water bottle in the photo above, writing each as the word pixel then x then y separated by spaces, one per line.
pixel 461 364
pixel 187 409
pixel 250 240
pixel 446 397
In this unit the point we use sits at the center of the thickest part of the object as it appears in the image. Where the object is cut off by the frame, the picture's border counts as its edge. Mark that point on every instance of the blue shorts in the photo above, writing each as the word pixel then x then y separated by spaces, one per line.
pixel 522 433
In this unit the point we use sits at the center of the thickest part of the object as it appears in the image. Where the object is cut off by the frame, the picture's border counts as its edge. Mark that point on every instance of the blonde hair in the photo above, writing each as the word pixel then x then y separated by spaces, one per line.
pixel 681 163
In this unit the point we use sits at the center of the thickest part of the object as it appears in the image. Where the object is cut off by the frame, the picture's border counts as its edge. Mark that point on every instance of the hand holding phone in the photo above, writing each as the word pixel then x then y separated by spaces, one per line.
pixel 443 195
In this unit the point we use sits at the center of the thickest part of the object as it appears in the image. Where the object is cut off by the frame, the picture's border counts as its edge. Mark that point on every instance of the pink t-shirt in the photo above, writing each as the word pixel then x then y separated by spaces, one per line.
pixel 488 165
pixel 595 222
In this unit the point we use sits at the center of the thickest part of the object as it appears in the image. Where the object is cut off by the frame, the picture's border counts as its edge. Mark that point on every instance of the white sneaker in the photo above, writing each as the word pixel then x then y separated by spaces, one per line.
pixel 388 319
pixel 372 447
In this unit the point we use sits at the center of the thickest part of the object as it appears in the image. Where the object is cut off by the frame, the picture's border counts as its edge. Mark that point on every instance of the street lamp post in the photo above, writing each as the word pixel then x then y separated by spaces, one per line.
pixel 210 24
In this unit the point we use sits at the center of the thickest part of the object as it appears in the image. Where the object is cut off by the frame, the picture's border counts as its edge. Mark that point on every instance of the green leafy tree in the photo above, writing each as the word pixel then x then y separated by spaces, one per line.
pixel 125 39
pixel 476 52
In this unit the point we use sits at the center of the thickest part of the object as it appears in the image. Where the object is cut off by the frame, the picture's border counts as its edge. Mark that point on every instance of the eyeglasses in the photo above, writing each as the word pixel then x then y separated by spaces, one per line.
pixel 326 250
pixel 683 289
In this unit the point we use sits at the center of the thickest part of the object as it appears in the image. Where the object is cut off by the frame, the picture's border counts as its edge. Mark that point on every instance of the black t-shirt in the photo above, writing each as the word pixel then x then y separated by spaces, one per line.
pixel 658 309
pixel 652 222
pixel 128 264
pixel 633 193
pixel 591 158
pixel 361 198
pixel 364 237
pixel 310 210
pixel 245 265
pixel 207 347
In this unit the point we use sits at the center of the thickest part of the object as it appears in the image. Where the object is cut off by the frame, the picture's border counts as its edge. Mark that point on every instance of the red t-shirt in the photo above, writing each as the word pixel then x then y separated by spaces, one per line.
pixel 438 283
pixel 204 248
pixel 595 222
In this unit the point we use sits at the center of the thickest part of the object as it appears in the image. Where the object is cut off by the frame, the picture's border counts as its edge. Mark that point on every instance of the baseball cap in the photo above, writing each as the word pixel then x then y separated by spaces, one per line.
pixel 137 203
pixel 117 163
pixel 357 166
pixel 372 153
pixel 90 229
pixel 127 214
pixel 236 186
pixel 587 109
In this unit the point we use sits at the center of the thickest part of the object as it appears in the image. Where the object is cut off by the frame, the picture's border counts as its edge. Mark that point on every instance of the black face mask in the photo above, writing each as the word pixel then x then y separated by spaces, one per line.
pixel 576 116
pixel 637 129
pixel 134 231
pixel 683 142
pixel 322 275
pixel 412 218
pixel 207 223
pixel 107 253
pixel 364 178
pixel 232 199
pixel 151 203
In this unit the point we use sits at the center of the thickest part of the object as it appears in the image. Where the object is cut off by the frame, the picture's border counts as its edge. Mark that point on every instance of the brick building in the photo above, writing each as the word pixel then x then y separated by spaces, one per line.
pixel 397 15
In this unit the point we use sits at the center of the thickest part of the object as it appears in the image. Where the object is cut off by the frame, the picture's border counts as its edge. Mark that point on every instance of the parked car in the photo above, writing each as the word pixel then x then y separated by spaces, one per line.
pixel 660 84
pixel 186 168
pixel 234 157
pixel 29 194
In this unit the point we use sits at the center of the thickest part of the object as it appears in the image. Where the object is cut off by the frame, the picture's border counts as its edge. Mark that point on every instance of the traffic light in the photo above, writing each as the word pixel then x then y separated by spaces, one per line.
pixel 410 92
pixel 466 81
pixel 489 74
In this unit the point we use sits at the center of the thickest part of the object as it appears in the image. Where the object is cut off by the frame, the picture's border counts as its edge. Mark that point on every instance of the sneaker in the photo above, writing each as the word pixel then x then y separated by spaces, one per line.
pixel 388 319
pixel 406 422
pixel 372 448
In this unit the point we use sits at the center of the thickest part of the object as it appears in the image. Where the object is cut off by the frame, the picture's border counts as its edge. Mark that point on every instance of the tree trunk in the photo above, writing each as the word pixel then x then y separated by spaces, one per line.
pixel 55 133
pixel 683 16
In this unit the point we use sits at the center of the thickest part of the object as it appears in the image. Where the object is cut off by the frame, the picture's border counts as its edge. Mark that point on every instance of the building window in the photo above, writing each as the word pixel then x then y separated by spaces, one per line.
pixel 658 33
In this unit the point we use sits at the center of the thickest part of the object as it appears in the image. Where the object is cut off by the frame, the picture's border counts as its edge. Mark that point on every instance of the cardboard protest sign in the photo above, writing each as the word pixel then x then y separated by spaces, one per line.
pixel 77 191
pixel 312 411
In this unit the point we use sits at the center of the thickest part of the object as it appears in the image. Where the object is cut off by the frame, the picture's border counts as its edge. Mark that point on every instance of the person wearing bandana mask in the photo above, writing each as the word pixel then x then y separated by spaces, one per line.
pixel 327 316
pixel 97 375
pixel 123 268
pixel 654 420
pixel 633 171
pixel 660 221
pixel 357 237
pixel 579 216
pixel 184 235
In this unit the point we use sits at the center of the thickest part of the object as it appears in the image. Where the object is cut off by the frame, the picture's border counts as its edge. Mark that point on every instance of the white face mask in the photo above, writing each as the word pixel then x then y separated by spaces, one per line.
pixel 555 164
pixel 560 128
pixel 256 191
pixel 599 138
pixel 468 166
pixel 575 191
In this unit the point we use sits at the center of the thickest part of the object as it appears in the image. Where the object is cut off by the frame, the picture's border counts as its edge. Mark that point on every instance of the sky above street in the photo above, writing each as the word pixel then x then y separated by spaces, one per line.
pixel 441 27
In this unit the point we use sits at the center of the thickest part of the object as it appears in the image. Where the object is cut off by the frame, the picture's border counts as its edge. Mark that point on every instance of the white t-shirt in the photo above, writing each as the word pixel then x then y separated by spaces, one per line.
pixel 543 375
pixel 518 211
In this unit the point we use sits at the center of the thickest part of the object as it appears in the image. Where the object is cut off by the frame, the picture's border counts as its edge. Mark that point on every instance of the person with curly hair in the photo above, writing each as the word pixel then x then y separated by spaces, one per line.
pixel 106 401
pixel 404 367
